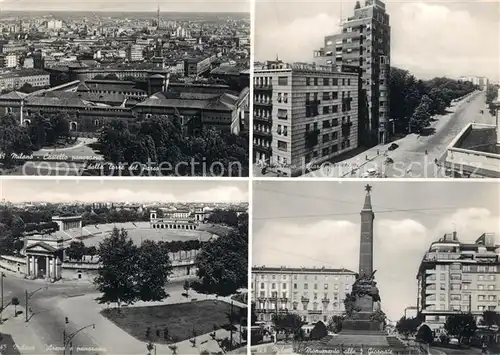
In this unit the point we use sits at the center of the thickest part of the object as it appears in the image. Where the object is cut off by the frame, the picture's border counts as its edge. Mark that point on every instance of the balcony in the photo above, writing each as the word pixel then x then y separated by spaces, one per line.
pixel 259 118
pixel 315 311
pixel 325 300
pixel 304 300
pixel 263 87
pixel 312 138
pixel 266 103
pixel 260 133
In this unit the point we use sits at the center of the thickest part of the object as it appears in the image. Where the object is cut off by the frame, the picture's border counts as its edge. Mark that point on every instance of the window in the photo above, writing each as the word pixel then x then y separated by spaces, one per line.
pixel 348 82
pixel 282 80
pixel 325 152
pixel 335 82
pixel 282 145
pixel 335 95
pixel 285 98
pixel 326 124
pixel 326 96
pixel 273 286
pixel 326 138
pixel 343 81
pixel 282 114
pixel 335 108
pixel 261 285
pixel 326 81
pixel 306 286
pixel 326 110
pixel 284 287
pixel 279 97
pixel 326 288
pixel 315 81
pixel 308 81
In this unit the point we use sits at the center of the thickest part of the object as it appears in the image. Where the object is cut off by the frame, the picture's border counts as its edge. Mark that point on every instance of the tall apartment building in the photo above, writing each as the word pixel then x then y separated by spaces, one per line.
pixel 303 114
pixel 457 277
pixel 315 294
pixel 135 53
pixel 480 81
pixel 364 41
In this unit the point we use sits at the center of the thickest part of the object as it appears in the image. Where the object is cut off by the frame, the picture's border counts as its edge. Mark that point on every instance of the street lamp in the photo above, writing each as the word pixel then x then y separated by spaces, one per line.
pixel 1 291
pixel 67 338
pixel 28 296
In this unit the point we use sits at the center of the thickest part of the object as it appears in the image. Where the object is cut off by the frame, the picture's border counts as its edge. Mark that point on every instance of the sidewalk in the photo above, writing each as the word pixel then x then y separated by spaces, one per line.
pixel 24 339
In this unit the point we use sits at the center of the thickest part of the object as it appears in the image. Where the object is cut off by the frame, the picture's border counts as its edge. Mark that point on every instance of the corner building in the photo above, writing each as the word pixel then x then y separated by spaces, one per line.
pixel 315 294
pixel 364 41
pixel 304 114
pixel 456 277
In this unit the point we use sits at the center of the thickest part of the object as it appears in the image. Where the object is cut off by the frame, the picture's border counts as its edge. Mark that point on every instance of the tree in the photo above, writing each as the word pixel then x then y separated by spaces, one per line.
pixel 289 323
pixel 18 245
pixel 153 269
pixel 424 334
pixel 408 326
pixel 335 324
pixel 91 251
pixel 15 303
pixel 14 139
pixel 490 319
pixel 460 326
pixel 119 267
pixel 223 263
pixel 76 250
pixel 227 217
pixel 319 331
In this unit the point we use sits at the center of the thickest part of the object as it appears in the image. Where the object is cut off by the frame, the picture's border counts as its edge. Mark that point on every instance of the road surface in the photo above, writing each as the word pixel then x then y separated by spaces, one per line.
pixel 47 320
pixel 410 159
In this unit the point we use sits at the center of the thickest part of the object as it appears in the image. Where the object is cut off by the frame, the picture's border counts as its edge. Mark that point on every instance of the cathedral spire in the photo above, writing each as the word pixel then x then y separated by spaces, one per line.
pixel 368 200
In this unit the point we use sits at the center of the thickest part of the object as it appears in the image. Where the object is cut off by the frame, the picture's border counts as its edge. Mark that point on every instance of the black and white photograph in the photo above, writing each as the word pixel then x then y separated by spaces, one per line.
pixel 376 88
pixel 123 267
pixel 377 267
pixel 124 88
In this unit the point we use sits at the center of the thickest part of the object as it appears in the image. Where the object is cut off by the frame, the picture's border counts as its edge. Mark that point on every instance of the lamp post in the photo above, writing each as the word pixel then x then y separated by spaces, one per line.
pixel 1 291
pixel 28 296
pixel 67 338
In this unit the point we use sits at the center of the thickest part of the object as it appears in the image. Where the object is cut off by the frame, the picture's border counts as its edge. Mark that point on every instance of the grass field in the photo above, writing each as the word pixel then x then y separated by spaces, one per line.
pixel 179 319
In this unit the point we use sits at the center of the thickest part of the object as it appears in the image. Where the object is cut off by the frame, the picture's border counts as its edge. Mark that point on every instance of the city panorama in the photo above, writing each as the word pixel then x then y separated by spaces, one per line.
pixel 146 269
pixel 125 89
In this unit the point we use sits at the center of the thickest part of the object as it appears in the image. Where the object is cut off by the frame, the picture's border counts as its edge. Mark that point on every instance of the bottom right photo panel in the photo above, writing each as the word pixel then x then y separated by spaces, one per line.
pixel 375 267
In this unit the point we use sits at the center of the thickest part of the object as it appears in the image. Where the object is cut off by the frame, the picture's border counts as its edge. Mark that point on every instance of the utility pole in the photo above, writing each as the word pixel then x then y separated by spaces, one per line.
pixel 1 291
pixel 231 321
pixel 27 306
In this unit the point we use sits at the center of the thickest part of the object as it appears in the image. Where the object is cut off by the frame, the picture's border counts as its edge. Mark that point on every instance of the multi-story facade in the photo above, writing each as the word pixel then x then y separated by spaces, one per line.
pixel 456 277
pixel 304 114
pixel 16 79
pixel 135 53
pixel 364 41
pixel 315 294
pixel 480 81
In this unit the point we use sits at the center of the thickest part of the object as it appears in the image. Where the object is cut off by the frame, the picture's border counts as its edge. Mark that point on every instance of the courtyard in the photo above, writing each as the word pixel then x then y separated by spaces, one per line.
pixel 178 319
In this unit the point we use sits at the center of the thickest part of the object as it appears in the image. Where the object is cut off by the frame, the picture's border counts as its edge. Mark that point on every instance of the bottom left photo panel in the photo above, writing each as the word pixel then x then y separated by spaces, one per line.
pixel 123 266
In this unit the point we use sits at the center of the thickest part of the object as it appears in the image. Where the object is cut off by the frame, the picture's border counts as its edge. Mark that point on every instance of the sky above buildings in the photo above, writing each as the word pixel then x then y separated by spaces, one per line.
pixel 318 224
pixel 133 191
pixel 127 5
pixel 429 38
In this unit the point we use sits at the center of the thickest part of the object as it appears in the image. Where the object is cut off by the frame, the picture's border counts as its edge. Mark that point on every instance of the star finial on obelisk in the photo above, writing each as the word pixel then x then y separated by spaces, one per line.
pixel 368 201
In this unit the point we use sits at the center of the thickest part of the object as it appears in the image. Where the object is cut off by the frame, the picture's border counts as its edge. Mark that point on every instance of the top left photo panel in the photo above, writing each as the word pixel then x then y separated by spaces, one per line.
pixel 125 88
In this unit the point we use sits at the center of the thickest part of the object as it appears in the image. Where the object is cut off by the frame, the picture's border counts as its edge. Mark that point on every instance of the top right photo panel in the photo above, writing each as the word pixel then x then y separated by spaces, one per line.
pixel 376 89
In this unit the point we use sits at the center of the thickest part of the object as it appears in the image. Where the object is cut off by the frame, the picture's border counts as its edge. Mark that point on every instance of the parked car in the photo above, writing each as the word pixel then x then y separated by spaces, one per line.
pixel 393 146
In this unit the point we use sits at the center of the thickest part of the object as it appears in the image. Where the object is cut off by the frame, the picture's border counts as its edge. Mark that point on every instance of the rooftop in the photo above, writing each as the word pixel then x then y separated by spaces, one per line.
pixel 284 269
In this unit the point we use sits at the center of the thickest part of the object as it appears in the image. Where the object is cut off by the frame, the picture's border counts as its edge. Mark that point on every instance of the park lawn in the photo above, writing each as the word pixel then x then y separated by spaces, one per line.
pixel 179 319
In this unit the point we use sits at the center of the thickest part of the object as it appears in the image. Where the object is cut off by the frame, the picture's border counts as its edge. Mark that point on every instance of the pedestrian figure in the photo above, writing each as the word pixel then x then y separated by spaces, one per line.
pixel 366 157
pixel 426 152
pixel 378 152
pixel 408 170
pixel 435 161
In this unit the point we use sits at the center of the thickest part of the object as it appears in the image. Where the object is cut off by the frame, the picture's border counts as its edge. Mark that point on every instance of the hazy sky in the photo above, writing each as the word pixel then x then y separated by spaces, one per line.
pixel 429 38
pixel 128 5
pixel 123 191
pixel 318 224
